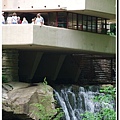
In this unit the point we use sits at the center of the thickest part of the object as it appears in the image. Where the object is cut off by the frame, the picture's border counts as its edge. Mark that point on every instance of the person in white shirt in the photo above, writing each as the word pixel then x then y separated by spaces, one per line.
pixel 14 18
pixel 24 21
pixel 39 20
pixel 9 19
pixel 33 20
pixel 3 19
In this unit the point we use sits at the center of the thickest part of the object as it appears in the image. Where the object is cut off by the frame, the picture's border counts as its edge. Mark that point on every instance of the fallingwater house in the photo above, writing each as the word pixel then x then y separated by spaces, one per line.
pixel 73 46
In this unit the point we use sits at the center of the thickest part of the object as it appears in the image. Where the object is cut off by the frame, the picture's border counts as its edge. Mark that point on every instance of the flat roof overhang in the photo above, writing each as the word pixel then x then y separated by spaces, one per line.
pixel 33 10
pixel 57 50
pixel 54 39
pixel 81 11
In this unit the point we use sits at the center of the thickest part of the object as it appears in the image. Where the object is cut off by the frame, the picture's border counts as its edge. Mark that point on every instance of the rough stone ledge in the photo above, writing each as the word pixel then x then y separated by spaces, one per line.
pixel 17 97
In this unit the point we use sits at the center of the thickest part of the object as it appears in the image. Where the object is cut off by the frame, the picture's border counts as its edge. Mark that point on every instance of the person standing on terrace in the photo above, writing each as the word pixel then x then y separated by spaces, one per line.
pixel 3 19
pixel 24 21
pixel 19 20
pixel 39 20
pixel 9 19
pixel 14 18
pixel 33 20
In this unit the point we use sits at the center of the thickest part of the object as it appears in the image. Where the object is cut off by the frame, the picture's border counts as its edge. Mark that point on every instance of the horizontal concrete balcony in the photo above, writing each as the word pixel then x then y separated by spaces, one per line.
pixel 56 39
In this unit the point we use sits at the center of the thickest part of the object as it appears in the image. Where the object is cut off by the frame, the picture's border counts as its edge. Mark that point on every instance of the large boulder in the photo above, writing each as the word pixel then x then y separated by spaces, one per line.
pixel 18 98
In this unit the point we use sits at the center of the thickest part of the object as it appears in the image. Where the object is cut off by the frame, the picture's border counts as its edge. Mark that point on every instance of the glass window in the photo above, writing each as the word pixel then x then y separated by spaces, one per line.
pixel 89 26
pixel 84 22
pixel 99 25
pixel 69 20
pixel 103 26
pixel 80 24
pixel 52 19
pixel 62 19
pixel 94 24
pixel 74 21
pixel 77 21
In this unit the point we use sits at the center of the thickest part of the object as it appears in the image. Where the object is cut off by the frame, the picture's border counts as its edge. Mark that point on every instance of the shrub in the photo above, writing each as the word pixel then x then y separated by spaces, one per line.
pixel 105 113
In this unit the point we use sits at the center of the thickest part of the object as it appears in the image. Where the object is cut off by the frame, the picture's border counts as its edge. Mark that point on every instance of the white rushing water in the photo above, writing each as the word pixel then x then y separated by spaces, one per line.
pixel 75 101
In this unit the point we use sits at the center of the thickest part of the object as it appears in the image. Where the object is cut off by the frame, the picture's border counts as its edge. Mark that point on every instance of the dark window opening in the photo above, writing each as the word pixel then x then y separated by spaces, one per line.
pixel 94 24
pixel 89 23
pixel 84 23
pixel 70 24
pixel 62 19
pixel 52 19
pixel 80 22
pixel 72 21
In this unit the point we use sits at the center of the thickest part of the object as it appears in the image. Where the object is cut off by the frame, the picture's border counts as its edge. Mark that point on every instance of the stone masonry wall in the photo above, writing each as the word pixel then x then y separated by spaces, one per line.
pixel 10 64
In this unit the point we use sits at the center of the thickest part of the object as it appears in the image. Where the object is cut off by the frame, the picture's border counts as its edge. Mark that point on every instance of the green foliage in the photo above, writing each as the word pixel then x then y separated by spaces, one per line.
pixel 112 30
pixel 91 116
pixel 45 84
pixel 109 94
pixel 105 113
pixel 109 90
pixel 108 114
pixel 42 113
pixel 47 114
pixel 59 114
pixel 4 79
pixel 45 81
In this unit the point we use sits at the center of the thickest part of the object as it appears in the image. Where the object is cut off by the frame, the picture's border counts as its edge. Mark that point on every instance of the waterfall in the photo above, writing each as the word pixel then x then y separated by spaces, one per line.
pixel 76 100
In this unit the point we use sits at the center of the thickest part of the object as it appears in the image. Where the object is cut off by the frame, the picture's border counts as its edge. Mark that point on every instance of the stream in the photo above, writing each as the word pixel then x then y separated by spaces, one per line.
pixel 75 100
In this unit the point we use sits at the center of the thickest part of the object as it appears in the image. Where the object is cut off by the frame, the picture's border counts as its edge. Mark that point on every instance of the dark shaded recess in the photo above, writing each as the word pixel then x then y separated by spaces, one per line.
pixel 93 69
pixel 11 116
pixel 28 16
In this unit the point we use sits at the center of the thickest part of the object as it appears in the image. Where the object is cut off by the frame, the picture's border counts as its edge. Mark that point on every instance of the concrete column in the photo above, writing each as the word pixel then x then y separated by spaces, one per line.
pixel 10 64
pixel 35 64
pixel 60 62
pixel 77 74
